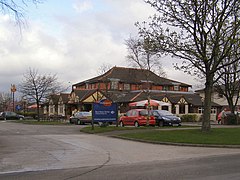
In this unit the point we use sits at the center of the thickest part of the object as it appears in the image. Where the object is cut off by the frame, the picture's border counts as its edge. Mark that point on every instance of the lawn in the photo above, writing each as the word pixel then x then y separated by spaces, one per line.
pixel 103 129
pixel 98 129
pixel 35 122
pixel 221 136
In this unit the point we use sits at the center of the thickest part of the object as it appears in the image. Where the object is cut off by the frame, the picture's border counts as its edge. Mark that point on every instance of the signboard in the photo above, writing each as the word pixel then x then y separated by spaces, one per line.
pixel 105 111
pixel 18 107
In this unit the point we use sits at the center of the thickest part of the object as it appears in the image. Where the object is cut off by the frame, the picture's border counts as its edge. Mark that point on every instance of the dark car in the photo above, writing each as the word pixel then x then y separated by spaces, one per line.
pixel 81 118
pixel 165 118
pixel 8 115
pixel 136 117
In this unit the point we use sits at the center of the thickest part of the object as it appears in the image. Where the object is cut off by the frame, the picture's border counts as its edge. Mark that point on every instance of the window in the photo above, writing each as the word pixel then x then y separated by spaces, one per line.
pixel 51 109
pixel 61 109
pixel 126 86
pixel 114 85
pixel 129 113
pixel 214 111
pixel 134 113
pixel 176 88
pixel 182 108
pixel 165 88
pixel 200 110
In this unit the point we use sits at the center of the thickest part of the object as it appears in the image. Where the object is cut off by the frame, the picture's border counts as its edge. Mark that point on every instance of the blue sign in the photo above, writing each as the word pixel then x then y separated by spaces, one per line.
pixel 18 107
pixel 105 111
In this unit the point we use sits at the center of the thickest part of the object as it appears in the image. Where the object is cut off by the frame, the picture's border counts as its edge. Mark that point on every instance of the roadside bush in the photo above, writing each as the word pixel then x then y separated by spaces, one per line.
pixel 189 118
pixel 231 119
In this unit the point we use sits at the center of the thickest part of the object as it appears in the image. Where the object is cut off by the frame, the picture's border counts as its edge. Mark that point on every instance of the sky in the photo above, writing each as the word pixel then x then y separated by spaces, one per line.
pixel 72 39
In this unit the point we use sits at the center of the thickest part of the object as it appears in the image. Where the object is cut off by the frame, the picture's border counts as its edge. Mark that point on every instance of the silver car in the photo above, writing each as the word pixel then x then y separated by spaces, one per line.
pixel 81 118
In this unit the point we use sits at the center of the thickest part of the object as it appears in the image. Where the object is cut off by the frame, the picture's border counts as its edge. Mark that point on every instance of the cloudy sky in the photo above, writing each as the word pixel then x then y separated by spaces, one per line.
pixel 72 38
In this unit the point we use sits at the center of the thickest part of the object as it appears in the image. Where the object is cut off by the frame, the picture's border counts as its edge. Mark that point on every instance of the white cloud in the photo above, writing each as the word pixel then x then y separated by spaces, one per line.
pixel 73 47
pixel 82 6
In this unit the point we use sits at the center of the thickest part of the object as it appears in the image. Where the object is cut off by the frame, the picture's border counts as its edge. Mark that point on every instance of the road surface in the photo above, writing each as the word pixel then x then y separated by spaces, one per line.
pixel 62 152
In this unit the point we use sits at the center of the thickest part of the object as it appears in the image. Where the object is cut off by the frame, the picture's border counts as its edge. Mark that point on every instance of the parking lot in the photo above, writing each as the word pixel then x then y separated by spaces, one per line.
pixel 45 147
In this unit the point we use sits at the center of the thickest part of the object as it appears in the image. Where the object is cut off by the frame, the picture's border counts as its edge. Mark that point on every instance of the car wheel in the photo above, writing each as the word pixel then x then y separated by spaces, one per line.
pixel 78 122
pixel 136 124
pixel 121 124
pixel 160 123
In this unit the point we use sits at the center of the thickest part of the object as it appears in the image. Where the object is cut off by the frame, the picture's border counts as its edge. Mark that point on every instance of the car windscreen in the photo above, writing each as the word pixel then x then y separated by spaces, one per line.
pixel 82 114
pixel 165 113
pixel 145 113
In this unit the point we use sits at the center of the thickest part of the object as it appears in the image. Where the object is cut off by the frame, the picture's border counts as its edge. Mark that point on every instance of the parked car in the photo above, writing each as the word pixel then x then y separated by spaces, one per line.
pixel 81 118
pixel 136 117
pixel 165 118
pixel 8 115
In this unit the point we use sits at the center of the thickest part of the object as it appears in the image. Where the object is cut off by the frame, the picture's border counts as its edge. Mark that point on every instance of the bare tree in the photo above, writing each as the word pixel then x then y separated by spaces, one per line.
pixel 104 68
pixel 5 100
pixel 142 54
pixel 16 9
pixel 228 83
pixel 200 32
pixel 36 87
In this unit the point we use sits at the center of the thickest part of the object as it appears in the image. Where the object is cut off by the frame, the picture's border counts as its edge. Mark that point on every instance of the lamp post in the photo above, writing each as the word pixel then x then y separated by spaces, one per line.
pixel 13 90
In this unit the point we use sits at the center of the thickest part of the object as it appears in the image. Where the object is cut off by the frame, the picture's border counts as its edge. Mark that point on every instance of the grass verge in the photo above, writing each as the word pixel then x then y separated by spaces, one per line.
pixel 104 129
pixel 35 122
pixel 221 136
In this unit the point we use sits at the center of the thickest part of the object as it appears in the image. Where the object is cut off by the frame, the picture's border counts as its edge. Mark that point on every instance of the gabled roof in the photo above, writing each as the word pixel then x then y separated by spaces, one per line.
pixel 54 98
pixel 132 76
pixel 83 94
pixel 174 98
pixel 65 97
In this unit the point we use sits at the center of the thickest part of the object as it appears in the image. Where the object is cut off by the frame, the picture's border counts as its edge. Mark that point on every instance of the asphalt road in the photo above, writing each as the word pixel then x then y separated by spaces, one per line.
pixel 62 152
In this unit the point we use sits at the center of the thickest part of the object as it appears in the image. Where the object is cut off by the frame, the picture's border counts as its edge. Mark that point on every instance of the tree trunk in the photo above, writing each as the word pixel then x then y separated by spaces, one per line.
pixel 148 109
pixel 231 105
pixel 38 111
pixel 206 127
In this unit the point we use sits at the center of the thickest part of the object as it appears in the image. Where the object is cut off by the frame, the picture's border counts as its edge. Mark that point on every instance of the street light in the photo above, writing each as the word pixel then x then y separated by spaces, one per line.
pixel 13 90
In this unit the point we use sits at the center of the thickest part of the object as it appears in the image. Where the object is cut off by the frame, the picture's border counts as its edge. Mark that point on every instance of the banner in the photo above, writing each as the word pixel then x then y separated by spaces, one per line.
pixel 105 111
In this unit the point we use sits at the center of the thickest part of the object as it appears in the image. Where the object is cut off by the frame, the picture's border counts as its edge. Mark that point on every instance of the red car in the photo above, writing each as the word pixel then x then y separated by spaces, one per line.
pixel 136 117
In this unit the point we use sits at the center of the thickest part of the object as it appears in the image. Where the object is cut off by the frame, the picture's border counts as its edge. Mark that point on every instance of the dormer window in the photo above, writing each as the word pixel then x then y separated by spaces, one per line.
pixel 114 83
pixel 126 86
pixel 176 88
pixel 146 84
pixel 87 86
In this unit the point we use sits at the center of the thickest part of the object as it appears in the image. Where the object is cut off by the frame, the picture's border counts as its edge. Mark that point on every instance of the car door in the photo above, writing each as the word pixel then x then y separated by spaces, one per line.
pixel 133 117
pixel 127 118
pixel 12 115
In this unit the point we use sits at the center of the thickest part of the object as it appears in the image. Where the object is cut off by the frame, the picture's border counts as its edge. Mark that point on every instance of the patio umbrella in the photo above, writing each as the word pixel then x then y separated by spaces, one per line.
pixel 152 103
pixel 34 106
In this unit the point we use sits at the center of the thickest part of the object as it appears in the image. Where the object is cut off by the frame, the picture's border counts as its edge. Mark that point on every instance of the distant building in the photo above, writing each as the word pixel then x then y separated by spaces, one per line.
pixel 125 85
pixel 57 105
